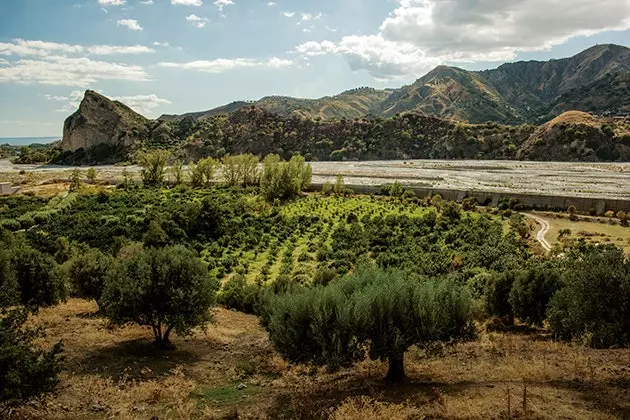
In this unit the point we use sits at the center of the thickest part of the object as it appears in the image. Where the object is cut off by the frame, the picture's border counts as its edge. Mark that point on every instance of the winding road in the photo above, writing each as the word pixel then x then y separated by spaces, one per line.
pixel 544 228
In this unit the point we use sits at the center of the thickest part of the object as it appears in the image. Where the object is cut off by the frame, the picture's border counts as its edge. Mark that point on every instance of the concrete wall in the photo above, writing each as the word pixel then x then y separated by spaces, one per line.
pixel 529 201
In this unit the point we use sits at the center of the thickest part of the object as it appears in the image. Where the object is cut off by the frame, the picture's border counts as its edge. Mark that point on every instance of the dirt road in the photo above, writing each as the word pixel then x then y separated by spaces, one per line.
pixel 544 228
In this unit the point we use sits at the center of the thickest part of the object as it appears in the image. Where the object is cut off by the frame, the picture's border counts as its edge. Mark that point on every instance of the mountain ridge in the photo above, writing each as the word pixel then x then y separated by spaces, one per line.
pixel 594 80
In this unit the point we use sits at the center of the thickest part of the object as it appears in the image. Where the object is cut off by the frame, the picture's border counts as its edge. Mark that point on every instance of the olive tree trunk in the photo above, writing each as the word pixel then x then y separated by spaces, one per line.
pixel 396 371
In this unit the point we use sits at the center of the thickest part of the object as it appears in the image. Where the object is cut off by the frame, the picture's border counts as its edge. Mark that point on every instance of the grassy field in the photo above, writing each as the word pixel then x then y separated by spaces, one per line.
pixel 230 370
pixel 592 231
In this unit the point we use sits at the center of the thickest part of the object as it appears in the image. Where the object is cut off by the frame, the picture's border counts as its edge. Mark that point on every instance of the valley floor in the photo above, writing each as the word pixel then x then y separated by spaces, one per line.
pixel 230 370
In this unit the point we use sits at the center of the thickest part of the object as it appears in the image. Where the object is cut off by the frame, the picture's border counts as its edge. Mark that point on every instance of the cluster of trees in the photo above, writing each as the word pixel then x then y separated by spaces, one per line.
pixel 277 179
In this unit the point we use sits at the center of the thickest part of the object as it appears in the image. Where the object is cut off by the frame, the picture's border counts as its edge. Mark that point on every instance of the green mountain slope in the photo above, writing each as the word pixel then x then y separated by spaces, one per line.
pixel 595 80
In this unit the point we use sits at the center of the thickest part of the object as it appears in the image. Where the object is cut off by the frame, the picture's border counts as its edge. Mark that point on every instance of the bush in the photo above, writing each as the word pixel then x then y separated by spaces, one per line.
pixel 26 371
pixel 153 165
pixel 168 289
pixel 531 292
pixel 381 311
pixel 87 273
pixel 497 293
pixel 238 294
pixel 9 293
pixel 594 306
pixel 37 277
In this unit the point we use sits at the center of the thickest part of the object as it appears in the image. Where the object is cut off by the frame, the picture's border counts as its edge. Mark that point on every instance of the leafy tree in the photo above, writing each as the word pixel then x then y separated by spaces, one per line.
pixel 155 235
pixel 202 173
pixel 91 175
pixel 9 293
pixel 497 294
pixel 75 180
pixel 37 277
pixel 168 289
pixel 240 170
pixel 238 294
pixel 87 271
pixel 284 179
pixel 177 172
pixel 383 311
pixel 594 304
pixel 531 292
pixel 153 164
pixel 26 370
pixel 340 186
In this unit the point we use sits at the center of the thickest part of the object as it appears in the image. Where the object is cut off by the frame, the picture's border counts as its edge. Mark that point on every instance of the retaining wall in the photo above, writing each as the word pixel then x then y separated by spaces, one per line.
pixel 529 201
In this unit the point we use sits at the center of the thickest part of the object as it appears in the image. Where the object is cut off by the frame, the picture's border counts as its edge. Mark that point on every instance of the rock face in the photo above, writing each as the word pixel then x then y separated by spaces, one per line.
pixel 102 121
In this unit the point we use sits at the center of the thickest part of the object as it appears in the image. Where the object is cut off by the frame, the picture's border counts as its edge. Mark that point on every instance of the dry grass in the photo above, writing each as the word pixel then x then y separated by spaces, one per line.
pixel 590 230
pixel 116 373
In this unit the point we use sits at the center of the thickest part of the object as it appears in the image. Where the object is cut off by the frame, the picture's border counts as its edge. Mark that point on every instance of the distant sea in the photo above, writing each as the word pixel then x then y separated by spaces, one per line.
pixel 25 141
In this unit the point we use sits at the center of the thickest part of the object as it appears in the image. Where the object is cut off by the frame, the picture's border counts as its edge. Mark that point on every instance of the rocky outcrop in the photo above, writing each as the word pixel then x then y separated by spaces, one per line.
pixel 100 120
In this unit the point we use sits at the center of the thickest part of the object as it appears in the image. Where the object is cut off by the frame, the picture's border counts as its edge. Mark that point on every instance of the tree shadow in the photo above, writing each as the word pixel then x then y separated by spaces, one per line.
pixel 138 359
pixel 318 402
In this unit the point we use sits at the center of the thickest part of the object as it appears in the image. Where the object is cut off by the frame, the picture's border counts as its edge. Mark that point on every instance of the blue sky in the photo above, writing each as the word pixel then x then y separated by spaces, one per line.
pixel 175 56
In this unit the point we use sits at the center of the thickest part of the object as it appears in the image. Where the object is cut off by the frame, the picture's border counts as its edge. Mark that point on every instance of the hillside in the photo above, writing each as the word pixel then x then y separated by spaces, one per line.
pixel 103 131
pixel 595 80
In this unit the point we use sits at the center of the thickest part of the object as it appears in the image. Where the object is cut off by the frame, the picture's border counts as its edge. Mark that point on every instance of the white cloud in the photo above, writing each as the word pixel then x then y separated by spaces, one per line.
pixel 140 103
pixel 39 48
pixel 310 16
pixel 25 48
pixel 187 2
pixel 161 44
pixel 146 2
pixel 118 49
pixel 288 14
pixel 130 23
pixel 419 34
pixel 198 21
pixel 112 2
pixel 222 3
pixel 66 71
pixel 271 3
pixel 221 65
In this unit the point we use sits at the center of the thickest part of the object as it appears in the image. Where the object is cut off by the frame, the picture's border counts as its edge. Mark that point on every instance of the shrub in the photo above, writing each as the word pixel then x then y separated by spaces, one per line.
pixel 238 294
pixel 91 175
pixel 594 306
pixel 26 370
pixel 168 289
pixel 531 292
pixel 9 293
pixel 497 293
pixel 383 311
pixel 87 273
pixel 284 180
pixel 37 277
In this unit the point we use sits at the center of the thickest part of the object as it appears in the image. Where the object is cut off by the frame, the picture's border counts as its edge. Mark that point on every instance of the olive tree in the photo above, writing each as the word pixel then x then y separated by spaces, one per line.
pixel 383 312
pixel 37 277
pixel 26 370
pixel 594 304
pixel 87 272
pixel 168 289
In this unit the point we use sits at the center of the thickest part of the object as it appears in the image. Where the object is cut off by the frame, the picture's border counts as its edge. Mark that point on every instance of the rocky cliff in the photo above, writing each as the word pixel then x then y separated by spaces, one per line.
pixel 101 121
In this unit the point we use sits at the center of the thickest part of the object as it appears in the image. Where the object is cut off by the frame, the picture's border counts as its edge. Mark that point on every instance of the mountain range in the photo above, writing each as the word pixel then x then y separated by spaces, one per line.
pixel 597 81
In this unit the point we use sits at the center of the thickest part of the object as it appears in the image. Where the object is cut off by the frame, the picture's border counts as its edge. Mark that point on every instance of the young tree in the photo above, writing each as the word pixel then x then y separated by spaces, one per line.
pixel 383 311
pixel 168 289
pixel 75 180
pixel 202 173
pixel 177 172
pixel 91 175
pixel 26 370
pixel 531 292
pixel 284 179
pixel 153 164
pixel 87 272
pixel 240 170
pixel 340 185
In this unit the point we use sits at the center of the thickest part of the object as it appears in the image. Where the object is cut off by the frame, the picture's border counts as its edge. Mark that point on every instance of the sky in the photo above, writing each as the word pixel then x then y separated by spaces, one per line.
pixel 176 56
